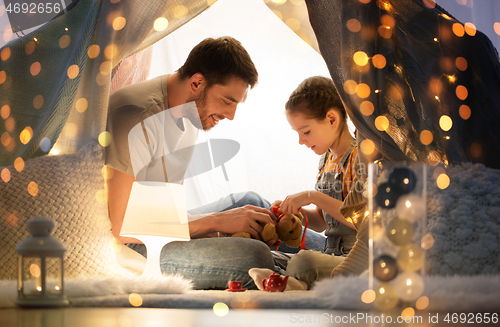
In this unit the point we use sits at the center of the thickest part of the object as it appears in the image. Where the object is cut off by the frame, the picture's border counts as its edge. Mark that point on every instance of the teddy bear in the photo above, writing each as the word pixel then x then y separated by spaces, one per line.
pixel 287 229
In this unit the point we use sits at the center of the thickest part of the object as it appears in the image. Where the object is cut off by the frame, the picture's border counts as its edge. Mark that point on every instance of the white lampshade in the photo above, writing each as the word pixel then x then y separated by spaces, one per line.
pixel 156 214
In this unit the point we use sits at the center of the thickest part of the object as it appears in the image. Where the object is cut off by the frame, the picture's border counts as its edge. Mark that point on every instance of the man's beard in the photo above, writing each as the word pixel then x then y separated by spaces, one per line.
pixel 199 117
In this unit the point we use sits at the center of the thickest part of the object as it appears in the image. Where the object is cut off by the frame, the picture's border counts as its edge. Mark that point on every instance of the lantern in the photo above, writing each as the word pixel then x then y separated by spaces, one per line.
pixel 40 266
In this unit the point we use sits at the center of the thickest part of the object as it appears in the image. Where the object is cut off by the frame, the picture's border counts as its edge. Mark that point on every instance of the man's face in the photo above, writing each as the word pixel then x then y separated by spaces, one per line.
pixel 220 101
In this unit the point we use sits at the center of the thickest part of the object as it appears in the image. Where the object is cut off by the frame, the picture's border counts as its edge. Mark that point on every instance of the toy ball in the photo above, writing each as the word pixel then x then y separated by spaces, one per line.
pixel 403 180
pixel 386 196
pixel 385 268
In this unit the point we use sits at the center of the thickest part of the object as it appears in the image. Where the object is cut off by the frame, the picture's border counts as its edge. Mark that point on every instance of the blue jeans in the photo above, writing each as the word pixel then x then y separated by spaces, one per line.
pixel 211 262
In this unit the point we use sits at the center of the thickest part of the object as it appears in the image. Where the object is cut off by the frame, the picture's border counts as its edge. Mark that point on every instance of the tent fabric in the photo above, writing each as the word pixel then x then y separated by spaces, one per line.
pixel 54 91
pixel 420 82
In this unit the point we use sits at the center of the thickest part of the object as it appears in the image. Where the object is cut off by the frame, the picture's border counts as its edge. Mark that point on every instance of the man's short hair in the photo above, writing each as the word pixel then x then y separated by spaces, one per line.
pixel 218 60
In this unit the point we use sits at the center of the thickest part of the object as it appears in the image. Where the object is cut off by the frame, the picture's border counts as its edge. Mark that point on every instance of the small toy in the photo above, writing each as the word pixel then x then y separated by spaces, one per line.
pixel 275 283
pixel 288 229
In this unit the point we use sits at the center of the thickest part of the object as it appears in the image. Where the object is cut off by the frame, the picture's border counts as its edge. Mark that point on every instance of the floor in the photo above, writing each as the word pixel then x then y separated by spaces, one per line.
pixel 218 317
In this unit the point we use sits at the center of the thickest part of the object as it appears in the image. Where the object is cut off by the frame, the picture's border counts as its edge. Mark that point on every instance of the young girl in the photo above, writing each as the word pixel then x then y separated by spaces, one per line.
pixel 316 112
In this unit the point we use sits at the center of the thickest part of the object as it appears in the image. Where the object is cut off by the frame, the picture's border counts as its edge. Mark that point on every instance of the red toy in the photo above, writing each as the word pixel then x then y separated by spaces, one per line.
pixel 275 283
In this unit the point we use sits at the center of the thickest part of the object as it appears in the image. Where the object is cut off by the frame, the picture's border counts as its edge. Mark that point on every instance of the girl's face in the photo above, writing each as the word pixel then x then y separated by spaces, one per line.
pixel 317 135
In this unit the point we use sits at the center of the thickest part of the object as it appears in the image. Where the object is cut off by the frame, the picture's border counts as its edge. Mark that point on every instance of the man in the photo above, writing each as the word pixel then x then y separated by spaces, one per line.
pixel 216 77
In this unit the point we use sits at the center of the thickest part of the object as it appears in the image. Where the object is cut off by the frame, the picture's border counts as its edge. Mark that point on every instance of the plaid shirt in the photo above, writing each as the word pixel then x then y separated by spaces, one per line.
pixel 333 165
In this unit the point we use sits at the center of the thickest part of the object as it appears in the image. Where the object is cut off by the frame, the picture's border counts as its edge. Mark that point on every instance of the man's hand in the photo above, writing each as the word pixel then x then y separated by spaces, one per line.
pixel 293 203
pixel 244 219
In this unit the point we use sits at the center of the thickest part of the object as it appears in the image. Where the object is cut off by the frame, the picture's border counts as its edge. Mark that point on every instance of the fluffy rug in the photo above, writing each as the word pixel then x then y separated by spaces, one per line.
pixel 446 294
pixel 95 287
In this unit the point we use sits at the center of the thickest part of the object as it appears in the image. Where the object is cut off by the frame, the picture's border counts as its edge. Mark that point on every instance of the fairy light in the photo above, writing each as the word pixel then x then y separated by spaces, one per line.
pixel 360 58
pixel 160 24
pixel 350 87
pixel 353 25
pixel 180 11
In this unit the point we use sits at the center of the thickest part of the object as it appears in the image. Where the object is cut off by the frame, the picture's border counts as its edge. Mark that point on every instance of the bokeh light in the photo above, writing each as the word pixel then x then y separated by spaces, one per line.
pixel 5 53
pixel 45 144
pixel 379 61
pixel 458 29
pixel 461 92
pixel 496 27
pixel 73 71
pixel 3 77
pixel 5 139
pixel 64 41
pixel 278 13
pixel 385 296
pixel 367 147
pixel 119 23
pixel 430 4
pixel 422 303
pixel 461 63
pixel 10 124
pixel 443 181
pixel 470 29
pixel 407 314
pixel 411 257
pixel 382 123
pixel 107 172
pixel 363 91
pixel 434 157
pixel 353 25
pixel 211 2
pixel 105 138
pixel 385 31
pixel 111 51
pixel 81 105
pixel 25 135
pixel 101 196
pixel 29 48
pixel 366 108
pixel 427 242
pixel 93 51
pixel 33 188
pixel 101 79
pixel 106 67
pixel 5 175
pixel 426 137
pixel 464 112
pixel 38 101
pixel 293 24
pixel 476 150
pixel 160 24
pixel 350 87
pixel 35 270
pixel 445 123
pixel 5 111
pixel 368 296
pixel 135 299
pixel 360 58
pixel 35 68
pixel 409 286
pixel 19 164
pixel 220 309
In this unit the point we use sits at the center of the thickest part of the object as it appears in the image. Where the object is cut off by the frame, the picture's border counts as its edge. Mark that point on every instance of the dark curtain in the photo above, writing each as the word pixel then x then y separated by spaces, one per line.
pixel 437 70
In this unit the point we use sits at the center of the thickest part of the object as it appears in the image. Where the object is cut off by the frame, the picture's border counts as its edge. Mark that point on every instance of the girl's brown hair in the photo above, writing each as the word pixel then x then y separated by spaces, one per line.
pixel 314 97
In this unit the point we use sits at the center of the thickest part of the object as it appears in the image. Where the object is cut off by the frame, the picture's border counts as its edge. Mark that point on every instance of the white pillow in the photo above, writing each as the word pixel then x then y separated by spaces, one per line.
pixel 71 192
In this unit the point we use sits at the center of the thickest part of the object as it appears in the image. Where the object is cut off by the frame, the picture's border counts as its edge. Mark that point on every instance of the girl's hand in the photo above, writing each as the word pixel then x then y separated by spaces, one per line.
pixel 293 203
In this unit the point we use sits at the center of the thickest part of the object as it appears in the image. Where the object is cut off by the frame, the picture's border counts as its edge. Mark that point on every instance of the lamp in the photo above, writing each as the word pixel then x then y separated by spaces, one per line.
pixel 40 266
pixel 156 215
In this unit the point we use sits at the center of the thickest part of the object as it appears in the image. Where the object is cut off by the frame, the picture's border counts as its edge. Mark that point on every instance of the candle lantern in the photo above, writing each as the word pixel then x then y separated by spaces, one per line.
pixel 41 266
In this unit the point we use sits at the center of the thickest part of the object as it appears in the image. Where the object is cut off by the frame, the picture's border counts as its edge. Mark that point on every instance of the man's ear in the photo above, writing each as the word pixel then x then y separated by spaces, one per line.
pixel 197 83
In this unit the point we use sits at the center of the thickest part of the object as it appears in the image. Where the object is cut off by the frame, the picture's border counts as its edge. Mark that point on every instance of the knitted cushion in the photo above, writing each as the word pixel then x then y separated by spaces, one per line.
pixel 70 190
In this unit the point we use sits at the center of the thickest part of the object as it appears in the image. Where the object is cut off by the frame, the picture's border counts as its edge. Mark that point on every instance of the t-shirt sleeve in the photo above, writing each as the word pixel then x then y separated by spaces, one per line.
pixel 121 121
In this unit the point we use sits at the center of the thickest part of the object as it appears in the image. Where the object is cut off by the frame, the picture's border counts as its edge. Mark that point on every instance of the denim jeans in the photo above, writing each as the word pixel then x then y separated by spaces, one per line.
pixel 211 262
